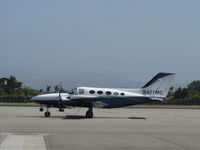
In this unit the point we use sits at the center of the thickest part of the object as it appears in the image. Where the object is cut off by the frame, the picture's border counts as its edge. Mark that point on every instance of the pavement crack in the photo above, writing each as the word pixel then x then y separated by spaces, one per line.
pixel 171 142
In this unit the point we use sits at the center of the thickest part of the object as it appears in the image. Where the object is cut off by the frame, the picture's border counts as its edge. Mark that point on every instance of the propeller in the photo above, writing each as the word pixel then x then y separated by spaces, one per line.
pixel 60 102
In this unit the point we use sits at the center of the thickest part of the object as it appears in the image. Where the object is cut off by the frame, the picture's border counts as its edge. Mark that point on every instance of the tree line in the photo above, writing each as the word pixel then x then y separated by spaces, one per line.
pixel 191 92
pixel 11 87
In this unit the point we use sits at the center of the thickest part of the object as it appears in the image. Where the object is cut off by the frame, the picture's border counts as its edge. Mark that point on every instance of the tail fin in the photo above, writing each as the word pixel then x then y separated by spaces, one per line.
pixel 158 87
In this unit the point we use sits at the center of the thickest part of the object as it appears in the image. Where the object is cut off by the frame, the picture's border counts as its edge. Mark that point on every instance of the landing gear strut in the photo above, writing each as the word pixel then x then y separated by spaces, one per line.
pixel 89 113
pixel 47 113
pixel 61 109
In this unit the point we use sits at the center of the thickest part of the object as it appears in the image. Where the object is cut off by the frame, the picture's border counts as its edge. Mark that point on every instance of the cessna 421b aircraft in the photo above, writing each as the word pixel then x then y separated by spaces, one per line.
pixel 156 89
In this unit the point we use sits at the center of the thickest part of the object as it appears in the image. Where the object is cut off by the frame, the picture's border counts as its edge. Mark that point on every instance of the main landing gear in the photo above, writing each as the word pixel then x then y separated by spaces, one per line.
pixel 89 113
pixel 61 109
pixel 47 113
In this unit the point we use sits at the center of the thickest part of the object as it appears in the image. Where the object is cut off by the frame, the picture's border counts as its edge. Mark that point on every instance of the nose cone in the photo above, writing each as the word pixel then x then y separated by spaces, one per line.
pixel 44 98
pixel 35 98
pixel 49 97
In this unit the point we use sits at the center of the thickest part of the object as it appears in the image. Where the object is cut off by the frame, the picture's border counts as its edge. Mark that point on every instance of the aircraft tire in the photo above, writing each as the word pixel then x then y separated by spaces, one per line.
pixel 89 114
pixel 41 109
pixel 47 114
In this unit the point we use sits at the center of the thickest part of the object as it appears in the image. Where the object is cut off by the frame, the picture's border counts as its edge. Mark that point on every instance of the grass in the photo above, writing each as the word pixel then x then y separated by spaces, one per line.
pixel 167 106
pixel 18 104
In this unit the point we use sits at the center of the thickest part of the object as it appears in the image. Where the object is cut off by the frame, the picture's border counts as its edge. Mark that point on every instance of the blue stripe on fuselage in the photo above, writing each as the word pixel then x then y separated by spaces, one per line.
pixel 122 102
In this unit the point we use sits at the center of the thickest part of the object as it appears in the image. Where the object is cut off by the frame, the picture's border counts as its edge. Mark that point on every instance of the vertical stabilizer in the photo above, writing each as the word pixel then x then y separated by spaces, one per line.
pixel 159 86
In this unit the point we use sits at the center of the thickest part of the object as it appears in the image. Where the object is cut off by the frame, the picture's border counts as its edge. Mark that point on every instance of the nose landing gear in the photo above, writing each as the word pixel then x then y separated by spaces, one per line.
pixel 47 113
pixel 41 109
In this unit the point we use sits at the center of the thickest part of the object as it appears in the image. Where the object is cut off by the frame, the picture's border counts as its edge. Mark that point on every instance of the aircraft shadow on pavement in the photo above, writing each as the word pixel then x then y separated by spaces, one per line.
pixel 76 117
pixel 61 117
pixel 137 118
pixel 39 116
pixel 83 117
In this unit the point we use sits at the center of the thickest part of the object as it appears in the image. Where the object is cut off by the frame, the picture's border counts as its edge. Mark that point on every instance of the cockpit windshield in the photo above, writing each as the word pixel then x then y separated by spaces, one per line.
pixel 73 91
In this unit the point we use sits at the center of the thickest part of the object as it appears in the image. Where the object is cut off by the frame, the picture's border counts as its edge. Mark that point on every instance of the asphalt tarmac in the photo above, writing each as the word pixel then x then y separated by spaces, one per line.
pixel 111 129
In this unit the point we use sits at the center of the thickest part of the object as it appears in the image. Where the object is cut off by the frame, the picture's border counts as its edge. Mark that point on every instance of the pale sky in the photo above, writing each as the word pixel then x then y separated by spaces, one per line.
pixel 132 39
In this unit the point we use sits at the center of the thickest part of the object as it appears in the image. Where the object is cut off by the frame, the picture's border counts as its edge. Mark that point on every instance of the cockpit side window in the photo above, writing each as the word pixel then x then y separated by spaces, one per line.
pixel 81 91
pixel 73 91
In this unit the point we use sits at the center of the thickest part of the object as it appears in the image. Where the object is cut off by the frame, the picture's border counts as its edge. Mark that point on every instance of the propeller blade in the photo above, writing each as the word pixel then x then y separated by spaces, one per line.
pixel 60 102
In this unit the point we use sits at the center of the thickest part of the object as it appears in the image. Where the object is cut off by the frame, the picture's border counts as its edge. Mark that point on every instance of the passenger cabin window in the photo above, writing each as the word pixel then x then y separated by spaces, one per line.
pixel 81 91
pixel 108 93
pixel 91 91
pixel 100 92
pixel 122 94
pixel 116 93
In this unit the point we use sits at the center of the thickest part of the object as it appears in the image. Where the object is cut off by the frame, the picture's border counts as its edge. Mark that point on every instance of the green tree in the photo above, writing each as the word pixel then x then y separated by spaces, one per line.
pixel 171 92
pixel 13 85
pixel 194 86
pixel 48 88
pixel 181 93
pixel 2 84
pixel 28 92
pixel 177 93
pixel 41 91
pixel 10 85
pixel 56 88
pixel 184 93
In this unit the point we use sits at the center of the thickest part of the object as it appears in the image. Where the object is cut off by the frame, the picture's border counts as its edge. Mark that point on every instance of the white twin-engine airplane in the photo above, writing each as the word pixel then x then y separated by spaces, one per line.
pixel 156 89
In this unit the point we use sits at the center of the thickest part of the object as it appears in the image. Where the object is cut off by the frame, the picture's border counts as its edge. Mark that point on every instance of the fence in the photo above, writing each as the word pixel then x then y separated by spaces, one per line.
pixel 176 102
pixel 15 100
